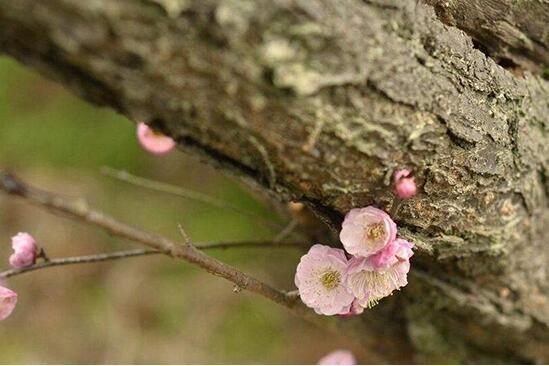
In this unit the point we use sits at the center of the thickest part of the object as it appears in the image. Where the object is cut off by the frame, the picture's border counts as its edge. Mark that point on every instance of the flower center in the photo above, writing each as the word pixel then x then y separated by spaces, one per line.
pixel 330 279
pixel 381 284
pixel 375 231
pixel 378 281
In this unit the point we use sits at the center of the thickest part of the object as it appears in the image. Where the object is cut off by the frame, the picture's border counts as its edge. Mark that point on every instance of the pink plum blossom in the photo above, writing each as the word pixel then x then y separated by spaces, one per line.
pixel 367 230
pixel 8 300
pixel 25 251
pixel 153 141
pixel 338 357
pixel 405 185
pixel 320 280
pixel 372 278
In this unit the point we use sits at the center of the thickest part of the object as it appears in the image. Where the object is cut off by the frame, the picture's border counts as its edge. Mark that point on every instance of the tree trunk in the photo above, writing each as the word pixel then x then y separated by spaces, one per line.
pixel 513 33
pixel 320 101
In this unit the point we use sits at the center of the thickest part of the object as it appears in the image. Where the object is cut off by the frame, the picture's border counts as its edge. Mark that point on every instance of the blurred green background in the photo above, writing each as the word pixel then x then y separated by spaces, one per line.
pixel 140 310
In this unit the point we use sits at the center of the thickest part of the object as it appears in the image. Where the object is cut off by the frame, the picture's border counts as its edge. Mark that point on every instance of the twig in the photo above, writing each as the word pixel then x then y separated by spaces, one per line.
pixel 140 252
pixel 186 237
pixel 271 178
pixel 287 231
pixel 184 193
pixel 79 209
pixel 79 260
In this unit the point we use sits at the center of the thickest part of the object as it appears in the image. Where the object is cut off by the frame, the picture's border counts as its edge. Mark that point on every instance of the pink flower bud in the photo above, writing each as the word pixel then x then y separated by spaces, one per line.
pixel 23 242
pixel 8 300
pixel 22 259
pixel 338 357
pixel 405 185
pixel 153 141
pixel 25 251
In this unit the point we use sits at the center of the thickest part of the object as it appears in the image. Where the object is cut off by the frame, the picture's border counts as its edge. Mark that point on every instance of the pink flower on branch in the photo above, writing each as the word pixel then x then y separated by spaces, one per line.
pixel 320 280
pixel 373 278
pixel 8 300
pixel 25 251
pixel 405 185
pixel 154 141
pixel 338 357
pixel 366 231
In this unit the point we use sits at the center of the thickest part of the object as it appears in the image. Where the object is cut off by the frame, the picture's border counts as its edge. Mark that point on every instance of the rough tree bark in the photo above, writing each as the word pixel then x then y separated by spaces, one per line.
pixel 320 101
pixel 514 33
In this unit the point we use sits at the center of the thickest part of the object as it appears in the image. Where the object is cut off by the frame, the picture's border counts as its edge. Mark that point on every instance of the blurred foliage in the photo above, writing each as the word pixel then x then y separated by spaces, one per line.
pixel 144 310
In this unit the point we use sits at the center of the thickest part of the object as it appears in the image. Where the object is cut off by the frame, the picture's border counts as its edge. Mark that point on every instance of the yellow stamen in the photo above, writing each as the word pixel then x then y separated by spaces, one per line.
pixel 330 279
pixel 371 303
pixel 375 231
pixel 382 283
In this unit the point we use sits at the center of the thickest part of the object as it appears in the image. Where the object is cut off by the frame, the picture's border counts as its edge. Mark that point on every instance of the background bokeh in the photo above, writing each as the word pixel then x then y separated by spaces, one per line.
pixel 140 310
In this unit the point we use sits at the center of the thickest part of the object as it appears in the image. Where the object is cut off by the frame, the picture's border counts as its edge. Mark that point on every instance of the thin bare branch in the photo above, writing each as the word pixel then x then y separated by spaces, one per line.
pixel 287 231
pixel 184 235
pixel 103 257
pixel 79 209
pixel 185 193
pixel 79 260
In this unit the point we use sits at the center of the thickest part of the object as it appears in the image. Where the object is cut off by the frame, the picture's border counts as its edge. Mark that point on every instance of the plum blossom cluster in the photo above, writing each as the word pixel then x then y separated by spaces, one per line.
pixel 333 283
